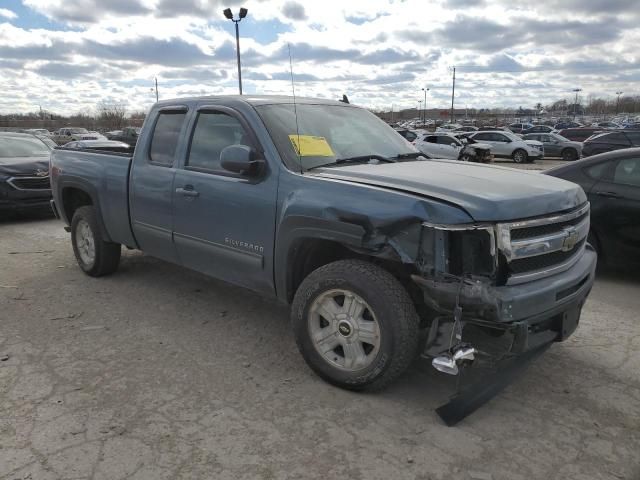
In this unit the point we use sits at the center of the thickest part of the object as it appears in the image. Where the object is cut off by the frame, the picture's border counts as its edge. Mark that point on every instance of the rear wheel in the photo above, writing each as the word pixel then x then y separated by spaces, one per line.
pixel 355 325
pixel 95 256
pixel 569 154
pixel 520 156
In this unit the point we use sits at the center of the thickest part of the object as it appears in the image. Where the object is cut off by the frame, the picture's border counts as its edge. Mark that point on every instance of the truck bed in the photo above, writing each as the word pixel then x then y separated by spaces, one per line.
pixel 106 176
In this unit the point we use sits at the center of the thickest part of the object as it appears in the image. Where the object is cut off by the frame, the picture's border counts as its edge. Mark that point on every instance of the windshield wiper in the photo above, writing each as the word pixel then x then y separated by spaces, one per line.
pixel 358 159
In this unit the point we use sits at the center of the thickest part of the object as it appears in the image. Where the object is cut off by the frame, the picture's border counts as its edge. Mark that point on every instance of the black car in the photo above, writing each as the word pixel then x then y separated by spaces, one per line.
pixel 578 134
pixel 24 173
pixel 612 184
pixel 409 135
pixel 538 129
pixel 611 140
pixel 563 125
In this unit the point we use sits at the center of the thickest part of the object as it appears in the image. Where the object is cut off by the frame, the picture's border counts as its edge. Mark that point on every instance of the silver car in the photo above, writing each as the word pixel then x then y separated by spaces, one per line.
pixel 509 145
pixel 557 146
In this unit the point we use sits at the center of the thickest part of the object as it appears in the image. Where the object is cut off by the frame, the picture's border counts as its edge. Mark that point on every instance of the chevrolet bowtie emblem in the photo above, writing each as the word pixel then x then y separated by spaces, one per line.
pixel 41 173
pixel 570 240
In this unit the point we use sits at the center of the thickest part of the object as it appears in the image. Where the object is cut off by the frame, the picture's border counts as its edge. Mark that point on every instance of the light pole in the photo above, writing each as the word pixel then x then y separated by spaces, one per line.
pixel 156 89
pixel 419 108
pixel 241 15
pixel 575 104
pixel 618 101
pixel 424 119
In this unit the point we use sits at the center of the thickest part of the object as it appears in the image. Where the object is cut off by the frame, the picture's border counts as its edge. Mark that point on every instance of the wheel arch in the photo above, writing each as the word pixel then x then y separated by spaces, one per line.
pixel 75 195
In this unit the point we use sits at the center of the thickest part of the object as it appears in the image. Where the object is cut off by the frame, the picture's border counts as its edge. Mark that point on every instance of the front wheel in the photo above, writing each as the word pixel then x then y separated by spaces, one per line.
pixel 569 155
pixel 355 325
pixel 95 256
pixel 520 156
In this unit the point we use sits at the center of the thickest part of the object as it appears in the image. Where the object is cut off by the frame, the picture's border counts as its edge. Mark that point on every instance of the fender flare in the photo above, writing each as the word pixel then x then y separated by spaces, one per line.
pixel 90 190
pixel 296 228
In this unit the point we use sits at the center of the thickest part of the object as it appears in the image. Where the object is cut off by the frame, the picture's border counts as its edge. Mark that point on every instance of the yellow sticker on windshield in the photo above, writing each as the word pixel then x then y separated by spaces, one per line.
pixel 310 146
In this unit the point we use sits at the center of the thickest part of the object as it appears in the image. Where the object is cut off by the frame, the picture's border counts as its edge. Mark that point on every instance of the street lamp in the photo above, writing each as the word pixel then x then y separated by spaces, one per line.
pixel 419 108
pixel 424 119
pixel 575 104
pixel 229 16
pixel 618 101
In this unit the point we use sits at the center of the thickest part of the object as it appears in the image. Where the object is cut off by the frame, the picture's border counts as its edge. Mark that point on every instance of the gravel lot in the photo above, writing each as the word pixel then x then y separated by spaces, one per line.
pixel 160 373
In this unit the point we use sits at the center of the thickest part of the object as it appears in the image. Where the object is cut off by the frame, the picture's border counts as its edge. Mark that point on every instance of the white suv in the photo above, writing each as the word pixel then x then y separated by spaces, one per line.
pixel 509 145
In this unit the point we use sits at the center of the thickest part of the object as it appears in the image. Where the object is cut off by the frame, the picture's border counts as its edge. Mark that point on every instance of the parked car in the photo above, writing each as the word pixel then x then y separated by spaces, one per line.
pixel 40 132
pixel 607 125
pixel 578 134
pixel 103 145
pixel 557 146
pixel 71 134
pixel 632 126
pixel 24 173
pixel 407 134
pixel 519 127
pixel 612 184
pixel 565 125
pixel 538 129
pixel 127 135
pixel 487 128
pixel 612 140
pixel 323 206
pixel 446 145
pixel 509 145
pixel 466 128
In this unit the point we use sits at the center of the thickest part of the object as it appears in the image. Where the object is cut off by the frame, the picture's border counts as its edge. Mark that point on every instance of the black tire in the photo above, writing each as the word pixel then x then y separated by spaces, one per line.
pixel 569 154
pixel 107 254
pixel 394 312
pixel 520 156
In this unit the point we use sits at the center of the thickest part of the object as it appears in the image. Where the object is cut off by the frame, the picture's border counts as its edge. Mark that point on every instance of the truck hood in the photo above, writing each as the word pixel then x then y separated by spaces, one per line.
pixel 23 165
pixel 486 193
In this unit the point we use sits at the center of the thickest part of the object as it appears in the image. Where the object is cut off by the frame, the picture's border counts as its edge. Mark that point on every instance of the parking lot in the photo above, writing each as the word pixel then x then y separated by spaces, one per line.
pixel 158 372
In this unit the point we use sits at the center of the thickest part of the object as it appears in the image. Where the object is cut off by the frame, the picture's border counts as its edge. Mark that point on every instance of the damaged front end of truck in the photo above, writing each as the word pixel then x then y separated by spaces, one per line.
pixel 497 294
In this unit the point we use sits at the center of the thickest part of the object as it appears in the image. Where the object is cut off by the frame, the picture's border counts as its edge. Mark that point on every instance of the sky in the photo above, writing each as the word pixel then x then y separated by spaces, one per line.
pixel 67 56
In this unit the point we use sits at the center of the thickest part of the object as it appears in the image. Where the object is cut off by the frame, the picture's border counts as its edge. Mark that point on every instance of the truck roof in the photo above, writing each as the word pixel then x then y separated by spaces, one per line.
pixel 253 100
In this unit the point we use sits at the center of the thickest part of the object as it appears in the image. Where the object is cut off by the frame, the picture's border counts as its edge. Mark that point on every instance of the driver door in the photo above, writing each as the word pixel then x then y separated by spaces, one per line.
pixel 224 223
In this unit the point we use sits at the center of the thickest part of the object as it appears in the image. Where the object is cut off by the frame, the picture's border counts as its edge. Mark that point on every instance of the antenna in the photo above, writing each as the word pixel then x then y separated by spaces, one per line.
pixel 295 109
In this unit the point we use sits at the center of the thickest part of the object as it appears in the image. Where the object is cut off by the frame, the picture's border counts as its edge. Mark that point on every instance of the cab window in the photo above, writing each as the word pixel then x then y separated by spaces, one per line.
pixel 166 134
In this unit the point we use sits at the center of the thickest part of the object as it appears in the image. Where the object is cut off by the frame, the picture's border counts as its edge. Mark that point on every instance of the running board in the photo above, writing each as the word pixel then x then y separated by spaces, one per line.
pixel 477 394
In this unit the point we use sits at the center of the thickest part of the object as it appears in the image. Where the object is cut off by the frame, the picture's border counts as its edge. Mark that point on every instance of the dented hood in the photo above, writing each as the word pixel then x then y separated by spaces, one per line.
pixel 486 193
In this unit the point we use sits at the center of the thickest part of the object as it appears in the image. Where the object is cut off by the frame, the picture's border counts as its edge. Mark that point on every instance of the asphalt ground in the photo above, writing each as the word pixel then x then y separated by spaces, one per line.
pixel 157 372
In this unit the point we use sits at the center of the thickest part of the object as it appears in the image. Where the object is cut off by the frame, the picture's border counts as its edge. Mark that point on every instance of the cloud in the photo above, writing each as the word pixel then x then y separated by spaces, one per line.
pixel 294 11
pixel 65 71
pixel 86 11
pixel 171 52
pixel 6 13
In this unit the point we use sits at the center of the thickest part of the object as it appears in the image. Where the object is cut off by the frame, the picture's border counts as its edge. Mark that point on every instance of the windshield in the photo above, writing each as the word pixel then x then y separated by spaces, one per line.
pixel 560 138
pixel 328 133
pixel 75 131
pixel 511 135
pixel 22 147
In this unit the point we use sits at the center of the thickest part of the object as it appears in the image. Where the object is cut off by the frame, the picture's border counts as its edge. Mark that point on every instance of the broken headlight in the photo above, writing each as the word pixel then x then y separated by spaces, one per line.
pixel 458 250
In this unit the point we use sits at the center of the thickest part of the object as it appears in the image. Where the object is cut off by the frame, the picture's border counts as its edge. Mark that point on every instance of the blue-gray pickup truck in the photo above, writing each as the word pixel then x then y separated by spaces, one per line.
pixel 382 254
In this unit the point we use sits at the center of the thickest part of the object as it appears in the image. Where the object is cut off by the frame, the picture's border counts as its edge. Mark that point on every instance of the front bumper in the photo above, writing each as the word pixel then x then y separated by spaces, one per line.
pixel 12 199
pixel 533 313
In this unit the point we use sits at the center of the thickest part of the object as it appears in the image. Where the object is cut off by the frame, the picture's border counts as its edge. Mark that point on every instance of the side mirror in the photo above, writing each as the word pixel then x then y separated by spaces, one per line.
pixel 454 145
pixel 240 159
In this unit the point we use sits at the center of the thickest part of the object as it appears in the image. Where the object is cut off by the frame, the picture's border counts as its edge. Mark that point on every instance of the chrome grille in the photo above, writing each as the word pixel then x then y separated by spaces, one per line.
pixel 541 247
pixel 30 183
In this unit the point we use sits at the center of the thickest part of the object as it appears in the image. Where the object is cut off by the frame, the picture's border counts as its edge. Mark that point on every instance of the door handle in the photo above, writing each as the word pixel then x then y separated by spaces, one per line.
pixel 187 191
pixel 609 194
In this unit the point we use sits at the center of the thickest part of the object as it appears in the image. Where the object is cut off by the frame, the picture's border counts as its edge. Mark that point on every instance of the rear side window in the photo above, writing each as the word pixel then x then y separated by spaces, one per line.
pixel 213 132
pixel 634 137
pixel 165 137
pixel 615 139
pixel 482 136
pixel 598 170
pixel 431 139
pixel 628 172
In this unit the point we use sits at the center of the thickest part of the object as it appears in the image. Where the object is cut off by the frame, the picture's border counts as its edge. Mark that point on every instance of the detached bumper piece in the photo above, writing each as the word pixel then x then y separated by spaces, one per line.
pixel 474 396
